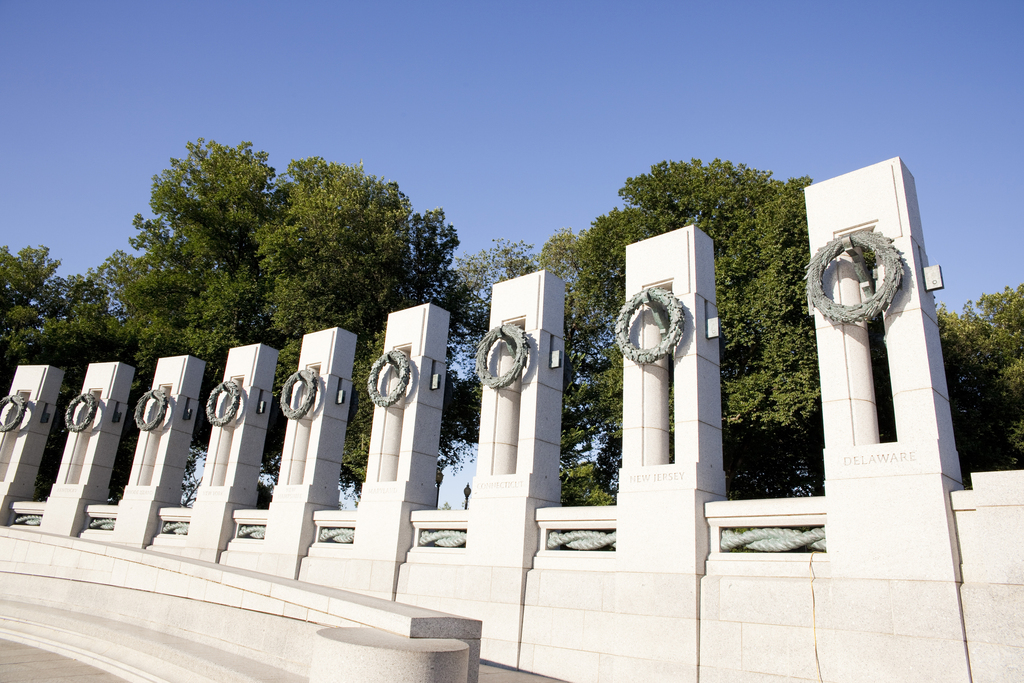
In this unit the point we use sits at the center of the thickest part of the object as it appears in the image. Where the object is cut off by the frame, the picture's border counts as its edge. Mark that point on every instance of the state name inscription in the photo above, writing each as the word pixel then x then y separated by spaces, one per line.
pixel 501 485
pixel 660 476
pixel 881 458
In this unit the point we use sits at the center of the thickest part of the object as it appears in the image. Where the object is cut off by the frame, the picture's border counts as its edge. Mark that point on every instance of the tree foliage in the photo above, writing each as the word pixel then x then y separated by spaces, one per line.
pixel 49 319
pixel 771 406
pixel 983 351
pixel 770 396
pixel 233 255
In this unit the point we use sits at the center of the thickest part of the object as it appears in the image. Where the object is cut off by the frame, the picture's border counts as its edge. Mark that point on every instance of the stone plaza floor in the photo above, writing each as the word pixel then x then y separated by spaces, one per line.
pixel 26 664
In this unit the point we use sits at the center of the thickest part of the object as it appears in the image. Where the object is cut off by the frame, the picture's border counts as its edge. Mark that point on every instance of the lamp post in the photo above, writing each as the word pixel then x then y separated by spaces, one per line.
pixel 439 478
pixel 467 491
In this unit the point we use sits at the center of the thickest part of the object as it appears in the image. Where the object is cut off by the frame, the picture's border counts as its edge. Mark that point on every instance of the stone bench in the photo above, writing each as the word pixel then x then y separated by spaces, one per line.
pixel 217 613
pixel 131 652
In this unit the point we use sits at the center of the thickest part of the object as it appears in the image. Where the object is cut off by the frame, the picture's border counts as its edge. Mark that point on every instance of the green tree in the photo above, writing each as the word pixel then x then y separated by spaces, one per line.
pixel 67 322
pixel 592 400
pixel 983 351
pixel 348 252
pixel 770 395
pixel 31 293
pixel 197 285
pixel 236 255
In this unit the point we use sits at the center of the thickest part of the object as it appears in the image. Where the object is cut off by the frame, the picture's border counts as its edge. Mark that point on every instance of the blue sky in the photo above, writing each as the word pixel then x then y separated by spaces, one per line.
pixel 518 118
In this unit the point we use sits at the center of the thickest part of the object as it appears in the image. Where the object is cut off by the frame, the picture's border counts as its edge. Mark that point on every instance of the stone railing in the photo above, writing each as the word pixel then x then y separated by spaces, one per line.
pixel 771 536
pixel 334 528
pixel 173 527
pixel 26 513
pixel 440 530
pixel 100 521
pixel 576 537
pixel 250 524
pixel 335 533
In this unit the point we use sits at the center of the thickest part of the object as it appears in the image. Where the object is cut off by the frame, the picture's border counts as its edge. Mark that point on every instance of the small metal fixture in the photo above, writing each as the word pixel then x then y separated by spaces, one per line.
pixel 187 413
pixel 117 415
pixel 712 325
pixel 261 405
pixel 933 278
pixel 556 360
pixel 45 417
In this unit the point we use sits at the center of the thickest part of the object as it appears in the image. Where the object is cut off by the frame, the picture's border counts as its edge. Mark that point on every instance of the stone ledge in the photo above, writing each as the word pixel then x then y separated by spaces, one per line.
pixel 144 569
pixel 125 650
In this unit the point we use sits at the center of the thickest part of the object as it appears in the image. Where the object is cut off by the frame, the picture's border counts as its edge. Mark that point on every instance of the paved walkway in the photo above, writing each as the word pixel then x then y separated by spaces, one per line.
pixel 26 664
pixel 493 674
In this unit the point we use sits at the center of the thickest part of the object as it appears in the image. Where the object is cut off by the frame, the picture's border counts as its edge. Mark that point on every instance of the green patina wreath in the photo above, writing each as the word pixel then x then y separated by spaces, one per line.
pixel 232 410
pixel 670 337
pixel 515 338
pixel 886 254
pixel 87 415
pixel 16 413
pixel 400 363
pixel 161 410
pixel 310 383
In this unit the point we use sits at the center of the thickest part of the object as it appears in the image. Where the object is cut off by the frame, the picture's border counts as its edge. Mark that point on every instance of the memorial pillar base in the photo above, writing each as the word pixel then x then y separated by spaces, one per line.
pixel 290 533
pixel 138 516
pixel 65 508
pixel 212 525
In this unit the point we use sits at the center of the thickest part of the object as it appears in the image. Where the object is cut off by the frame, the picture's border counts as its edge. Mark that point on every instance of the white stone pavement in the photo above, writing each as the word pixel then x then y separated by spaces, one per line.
pixel 26 664
pixel 21 663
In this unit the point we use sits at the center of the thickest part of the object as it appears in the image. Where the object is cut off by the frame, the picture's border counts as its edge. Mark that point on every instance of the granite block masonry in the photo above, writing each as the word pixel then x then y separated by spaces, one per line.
pixel 84 476
pixel 162 451
pixel 21 448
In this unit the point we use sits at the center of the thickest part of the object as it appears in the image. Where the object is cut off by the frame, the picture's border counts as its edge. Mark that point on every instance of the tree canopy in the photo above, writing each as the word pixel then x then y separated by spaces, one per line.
pixel 233 255
pixel 983 351
pixel 770 397
pixel 236 254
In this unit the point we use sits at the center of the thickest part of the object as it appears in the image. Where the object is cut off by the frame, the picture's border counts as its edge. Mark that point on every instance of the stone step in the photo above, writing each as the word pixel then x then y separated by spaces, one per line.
pixel 131 652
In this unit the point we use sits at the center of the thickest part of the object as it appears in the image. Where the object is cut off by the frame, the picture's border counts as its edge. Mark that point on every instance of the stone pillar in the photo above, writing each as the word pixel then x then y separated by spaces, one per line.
pixel 518 458
pixel 662 535
pixel 235 452
pixel 162 452
pixel 890 525
pixel 847 388
pixel 84 476
pixel 400 474
pixel 311 460
pixel 21 449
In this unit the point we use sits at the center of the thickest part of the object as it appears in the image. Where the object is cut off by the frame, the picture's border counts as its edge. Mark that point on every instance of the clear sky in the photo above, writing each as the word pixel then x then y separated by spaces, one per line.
pixel 517 118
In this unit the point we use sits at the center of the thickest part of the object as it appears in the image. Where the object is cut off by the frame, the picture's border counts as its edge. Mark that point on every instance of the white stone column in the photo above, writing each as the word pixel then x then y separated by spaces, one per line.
pixel 161 453
pixel 234 455
pixel 847 387
pixel 502 533
pixel 21 449
pixel 84 476
pixel 662 535
pixel 890 525
pixel 311 459
pixel 400 475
